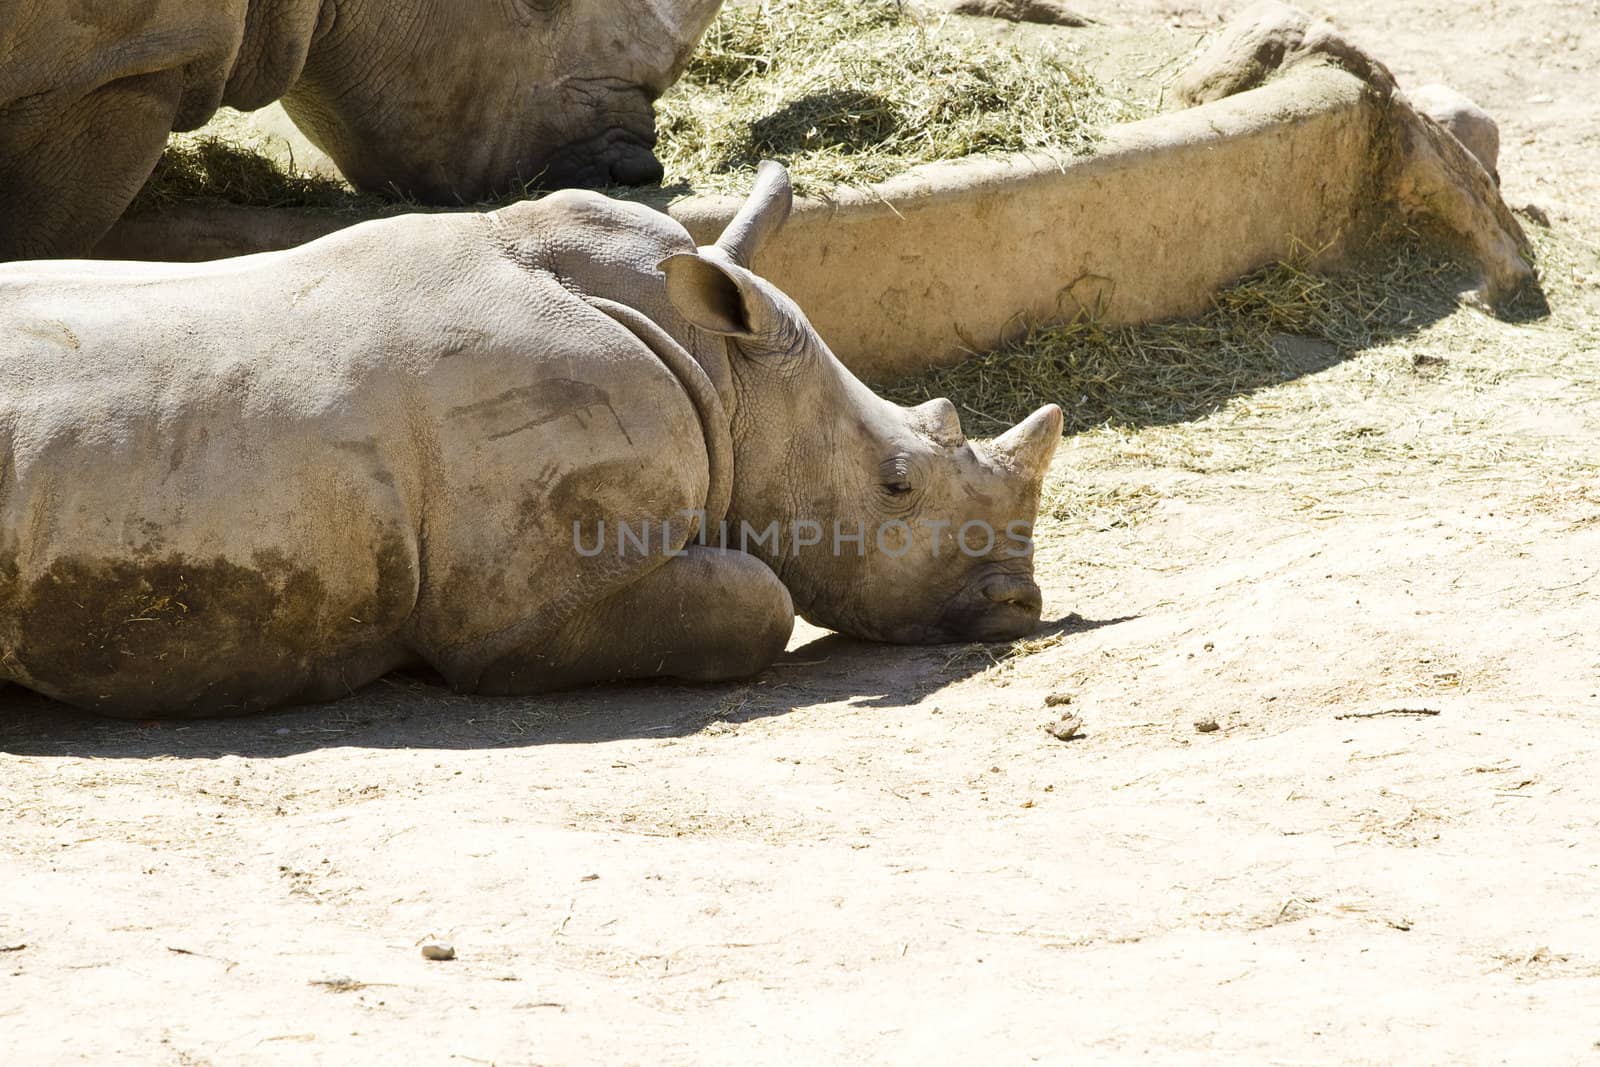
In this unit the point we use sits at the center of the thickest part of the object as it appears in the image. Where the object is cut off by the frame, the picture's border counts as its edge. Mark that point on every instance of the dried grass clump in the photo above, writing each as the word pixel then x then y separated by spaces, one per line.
pixel 859 90
pixel 1279 323
pixel 225 165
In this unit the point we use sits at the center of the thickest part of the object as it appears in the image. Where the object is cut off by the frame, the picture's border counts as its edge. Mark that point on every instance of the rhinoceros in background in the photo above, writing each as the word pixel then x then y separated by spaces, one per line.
pixel 444 102
pixel 489 443
pixel 1470 124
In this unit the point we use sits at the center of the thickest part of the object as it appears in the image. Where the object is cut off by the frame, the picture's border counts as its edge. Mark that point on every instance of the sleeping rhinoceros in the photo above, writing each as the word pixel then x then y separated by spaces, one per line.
pixel 444 102
pixel 489 443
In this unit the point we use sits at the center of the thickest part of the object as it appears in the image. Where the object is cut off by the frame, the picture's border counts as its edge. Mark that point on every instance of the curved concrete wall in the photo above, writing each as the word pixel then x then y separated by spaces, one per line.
pixel 955 257
pixel 952 258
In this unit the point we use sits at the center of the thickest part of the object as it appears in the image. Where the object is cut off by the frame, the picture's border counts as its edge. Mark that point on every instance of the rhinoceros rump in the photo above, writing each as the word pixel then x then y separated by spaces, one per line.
pixel 482 442
pixel 443 102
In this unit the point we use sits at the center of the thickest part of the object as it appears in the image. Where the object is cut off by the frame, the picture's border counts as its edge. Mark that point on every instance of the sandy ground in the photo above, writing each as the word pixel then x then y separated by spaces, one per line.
pixel 1379 581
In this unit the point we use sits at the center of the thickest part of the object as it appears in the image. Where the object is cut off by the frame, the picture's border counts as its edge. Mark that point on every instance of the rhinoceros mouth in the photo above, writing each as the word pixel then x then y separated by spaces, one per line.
pixel 991 621
pixel 994 605
pixel 616 156
pixel 997 605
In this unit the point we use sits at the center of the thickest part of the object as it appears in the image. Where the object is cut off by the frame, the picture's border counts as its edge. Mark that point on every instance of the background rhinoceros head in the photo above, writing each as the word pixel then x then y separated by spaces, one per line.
pixel 470 100
pixel 890 525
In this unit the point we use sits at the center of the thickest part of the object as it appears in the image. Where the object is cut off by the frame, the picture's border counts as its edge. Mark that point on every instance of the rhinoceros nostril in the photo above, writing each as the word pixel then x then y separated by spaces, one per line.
pixel 1018 592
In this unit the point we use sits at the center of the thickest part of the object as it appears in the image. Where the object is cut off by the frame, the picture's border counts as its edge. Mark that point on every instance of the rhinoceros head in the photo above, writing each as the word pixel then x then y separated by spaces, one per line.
pixel 471 100
pixel 883 521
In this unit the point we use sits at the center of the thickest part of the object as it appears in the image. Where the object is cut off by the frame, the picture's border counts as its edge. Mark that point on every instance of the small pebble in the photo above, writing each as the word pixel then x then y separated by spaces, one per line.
pixel 1537 214
pixel 1058 700
pixel 438 950
pixel 1066 728
pixel 1207 726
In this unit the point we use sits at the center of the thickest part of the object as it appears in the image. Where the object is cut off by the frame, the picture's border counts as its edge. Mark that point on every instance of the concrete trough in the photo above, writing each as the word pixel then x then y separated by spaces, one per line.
pixel 952 258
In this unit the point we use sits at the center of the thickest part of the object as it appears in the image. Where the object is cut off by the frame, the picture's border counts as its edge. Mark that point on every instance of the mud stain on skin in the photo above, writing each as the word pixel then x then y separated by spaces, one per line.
pixel 458 339
pixel 535 503
pixel 177 636
pixel 53 332
pixel 366 449
pixel 536 405
pixel 180 447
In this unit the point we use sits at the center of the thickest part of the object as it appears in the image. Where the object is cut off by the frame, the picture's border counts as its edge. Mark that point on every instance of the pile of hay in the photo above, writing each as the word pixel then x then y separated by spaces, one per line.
pixel 854 91
pixel 1274 325
pixel 229 168
pixel 235 161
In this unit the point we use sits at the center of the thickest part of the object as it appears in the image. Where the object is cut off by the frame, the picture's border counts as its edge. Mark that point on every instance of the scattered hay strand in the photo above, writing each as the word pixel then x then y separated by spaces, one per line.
pixel 996 658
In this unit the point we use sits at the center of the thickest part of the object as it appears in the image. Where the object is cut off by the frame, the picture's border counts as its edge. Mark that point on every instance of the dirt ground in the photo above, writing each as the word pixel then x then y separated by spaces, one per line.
pixel 1379 581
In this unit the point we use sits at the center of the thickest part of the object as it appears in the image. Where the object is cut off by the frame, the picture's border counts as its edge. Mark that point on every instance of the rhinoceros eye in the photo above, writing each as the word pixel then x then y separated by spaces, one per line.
pixel 897 476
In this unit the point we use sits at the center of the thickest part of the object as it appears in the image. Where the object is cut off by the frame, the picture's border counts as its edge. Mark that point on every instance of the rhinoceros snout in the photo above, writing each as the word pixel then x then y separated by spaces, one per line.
pixel 1014 591
pixel 639 168
pixel 616 157
pixel 998 607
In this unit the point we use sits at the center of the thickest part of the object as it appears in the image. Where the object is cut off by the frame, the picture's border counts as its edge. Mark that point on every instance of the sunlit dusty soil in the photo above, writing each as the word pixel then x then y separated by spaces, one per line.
pixel 1380 581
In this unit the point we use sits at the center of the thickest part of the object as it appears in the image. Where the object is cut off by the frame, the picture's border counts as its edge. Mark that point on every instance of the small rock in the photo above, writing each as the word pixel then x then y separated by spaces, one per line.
pixel 438 950
pixel 1058 700
pixel 1536 214
pixel 1207 726
pixel 1067 728
pixel 590 878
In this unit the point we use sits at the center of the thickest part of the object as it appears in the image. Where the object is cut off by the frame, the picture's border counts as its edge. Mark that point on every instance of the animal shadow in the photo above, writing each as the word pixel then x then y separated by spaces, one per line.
pixel 415 710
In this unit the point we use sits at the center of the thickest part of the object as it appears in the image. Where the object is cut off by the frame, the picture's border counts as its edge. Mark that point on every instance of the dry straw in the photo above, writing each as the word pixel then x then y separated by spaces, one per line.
pixel 858 91
pixel 1276 324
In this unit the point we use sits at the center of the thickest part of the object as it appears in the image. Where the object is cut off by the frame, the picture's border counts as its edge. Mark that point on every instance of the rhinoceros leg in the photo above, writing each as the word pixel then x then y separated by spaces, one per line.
pixel 67 173
pixel 707 615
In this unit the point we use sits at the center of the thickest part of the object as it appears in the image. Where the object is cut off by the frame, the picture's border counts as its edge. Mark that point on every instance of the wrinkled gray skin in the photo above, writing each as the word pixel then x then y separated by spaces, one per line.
pixel 234 485
pixel 446 101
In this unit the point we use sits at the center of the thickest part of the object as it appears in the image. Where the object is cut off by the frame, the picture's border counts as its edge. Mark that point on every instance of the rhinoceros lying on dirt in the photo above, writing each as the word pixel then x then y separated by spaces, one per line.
pixel 446 102
pixel 477 442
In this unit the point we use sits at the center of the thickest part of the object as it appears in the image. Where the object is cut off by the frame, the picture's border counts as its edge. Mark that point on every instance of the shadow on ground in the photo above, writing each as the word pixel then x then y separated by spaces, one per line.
pixel 407 711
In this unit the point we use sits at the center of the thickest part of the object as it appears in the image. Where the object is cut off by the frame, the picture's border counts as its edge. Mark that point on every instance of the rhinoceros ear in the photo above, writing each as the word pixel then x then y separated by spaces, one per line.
pixel 708 295
pixel 763 214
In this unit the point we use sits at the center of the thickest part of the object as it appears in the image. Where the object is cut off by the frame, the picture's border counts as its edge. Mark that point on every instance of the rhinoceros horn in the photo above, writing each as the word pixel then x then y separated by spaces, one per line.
pixel 1027 447
pixel 763 214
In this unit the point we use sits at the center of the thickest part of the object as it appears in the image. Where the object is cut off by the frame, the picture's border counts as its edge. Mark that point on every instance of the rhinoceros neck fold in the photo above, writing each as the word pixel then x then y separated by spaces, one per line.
pixel 714 424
